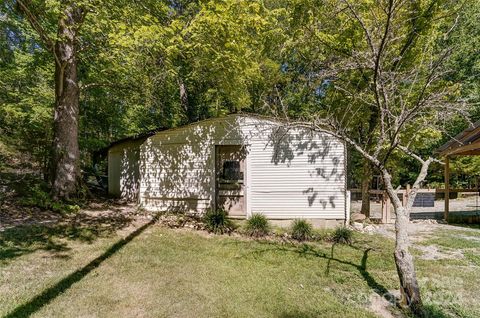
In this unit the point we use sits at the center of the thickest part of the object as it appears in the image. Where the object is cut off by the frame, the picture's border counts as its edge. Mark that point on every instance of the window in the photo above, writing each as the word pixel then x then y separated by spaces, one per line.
pixel 231 170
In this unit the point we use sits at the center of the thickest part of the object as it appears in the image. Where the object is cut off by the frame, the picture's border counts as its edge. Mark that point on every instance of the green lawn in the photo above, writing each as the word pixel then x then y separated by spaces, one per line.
pixel 160 272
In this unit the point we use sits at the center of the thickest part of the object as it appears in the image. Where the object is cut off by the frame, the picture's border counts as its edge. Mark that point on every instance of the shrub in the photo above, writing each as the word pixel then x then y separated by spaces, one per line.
pixel 301 230
pixel 38 196
pixel 257 225
pixel 217 221
pixel 342 235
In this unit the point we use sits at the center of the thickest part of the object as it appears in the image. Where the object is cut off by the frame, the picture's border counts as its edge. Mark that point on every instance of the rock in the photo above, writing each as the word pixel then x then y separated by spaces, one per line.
pixel 358 217
pixel 426 221
pixel 370 228
pixel 357 226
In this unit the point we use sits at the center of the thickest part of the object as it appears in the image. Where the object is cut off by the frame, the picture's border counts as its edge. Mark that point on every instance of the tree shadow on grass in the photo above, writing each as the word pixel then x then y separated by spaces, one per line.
pixel 296 314
pixel 430 311
pixel 361 268
pixel 53 237
pixel 51 293
pixel 309 250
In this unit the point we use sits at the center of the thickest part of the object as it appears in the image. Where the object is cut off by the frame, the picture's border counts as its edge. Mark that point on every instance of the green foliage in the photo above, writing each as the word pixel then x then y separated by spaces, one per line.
pixel 326 60
pixel 260 56
pixel 132 59
pixel 301 230
pixel 217 221
pixel 218 50
pixel 38 196
pixel 342 235
pixel 458 218
pixel 257 225
pixel 26 92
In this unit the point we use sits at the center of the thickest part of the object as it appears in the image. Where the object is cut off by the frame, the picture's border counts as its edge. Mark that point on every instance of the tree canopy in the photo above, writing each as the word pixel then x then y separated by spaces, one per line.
pixel 166 63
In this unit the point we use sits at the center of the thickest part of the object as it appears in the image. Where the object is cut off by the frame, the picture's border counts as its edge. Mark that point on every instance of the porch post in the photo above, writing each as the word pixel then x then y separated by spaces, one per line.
pixel 447 188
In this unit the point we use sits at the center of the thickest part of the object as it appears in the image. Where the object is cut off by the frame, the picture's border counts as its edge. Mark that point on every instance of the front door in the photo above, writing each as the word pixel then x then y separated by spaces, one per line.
pixel 230 172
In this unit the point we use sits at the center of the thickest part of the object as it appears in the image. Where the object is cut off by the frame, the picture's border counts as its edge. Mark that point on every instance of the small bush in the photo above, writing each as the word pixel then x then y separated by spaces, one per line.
pixel 301 230
pixel 38 196
pixel 342 235
pixel 217 221
pixel 464 219
pixel 257 225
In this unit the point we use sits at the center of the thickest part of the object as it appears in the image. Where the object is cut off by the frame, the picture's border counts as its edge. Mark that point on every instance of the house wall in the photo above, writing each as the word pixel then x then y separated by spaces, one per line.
pixel 178 166
pixel 123 170
pixel 296 173
pixel 290 173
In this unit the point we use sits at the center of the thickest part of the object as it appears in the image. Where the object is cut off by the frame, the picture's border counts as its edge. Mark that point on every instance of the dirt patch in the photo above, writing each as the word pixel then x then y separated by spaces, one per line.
pixel 432 252
pixel 420 231
pixel 470 238
pixel 106 217
pixel 11 216
pixel 384 306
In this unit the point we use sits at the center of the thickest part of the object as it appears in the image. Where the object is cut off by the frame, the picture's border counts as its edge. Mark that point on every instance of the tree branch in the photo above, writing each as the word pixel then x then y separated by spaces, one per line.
pixel 32 19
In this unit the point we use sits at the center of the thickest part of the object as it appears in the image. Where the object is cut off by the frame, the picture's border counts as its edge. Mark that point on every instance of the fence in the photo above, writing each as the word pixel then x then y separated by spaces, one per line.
pixel 429 204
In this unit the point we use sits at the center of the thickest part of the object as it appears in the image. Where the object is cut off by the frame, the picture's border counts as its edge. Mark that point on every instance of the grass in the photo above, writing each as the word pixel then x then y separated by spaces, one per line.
pixel 453 284
pixel 454 239
pixel 160 272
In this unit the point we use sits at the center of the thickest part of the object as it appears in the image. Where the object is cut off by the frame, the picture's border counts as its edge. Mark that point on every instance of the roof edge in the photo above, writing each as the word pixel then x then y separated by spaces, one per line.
pixel 461 139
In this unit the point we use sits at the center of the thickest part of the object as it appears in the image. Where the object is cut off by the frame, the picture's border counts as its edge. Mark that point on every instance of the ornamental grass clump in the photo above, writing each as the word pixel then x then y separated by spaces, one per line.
pixel 217 221
pixel 342 235
pixel 301 230
pixel 257 225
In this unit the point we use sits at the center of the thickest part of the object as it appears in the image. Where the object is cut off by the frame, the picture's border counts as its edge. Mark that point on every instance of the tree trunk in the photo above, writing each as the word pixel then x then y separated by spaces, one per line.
pixel 366 181
pixel 189 112
pixel 409 288
pixel 66 154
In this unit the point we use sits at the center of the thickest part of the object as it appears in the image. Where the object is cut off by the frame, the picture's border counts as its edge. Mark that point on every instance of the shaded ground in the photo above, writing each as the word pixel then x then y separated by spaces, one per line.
pixel 110 261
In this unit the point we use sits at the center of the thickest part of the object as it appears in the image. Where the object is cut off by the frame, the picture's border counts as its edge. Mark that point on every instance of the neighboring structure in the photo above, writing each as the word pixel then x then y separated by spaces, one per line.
pixel 466 143
pixel 244 164
pixel 124 165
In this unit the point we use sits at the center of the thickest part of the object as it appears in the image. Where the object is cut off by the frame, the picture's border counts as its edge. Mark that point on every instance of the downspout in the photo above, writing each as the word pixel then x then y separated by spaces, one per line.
pixel 347 193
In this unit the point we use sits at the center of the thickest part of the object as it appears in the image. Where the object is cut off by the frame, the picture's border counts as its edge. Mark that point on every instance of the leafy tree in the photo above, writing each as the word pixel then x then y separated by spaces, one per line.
pixel 211 56
pixel 385 60
pixel 145 65
pixel 66 18
pixel 26 98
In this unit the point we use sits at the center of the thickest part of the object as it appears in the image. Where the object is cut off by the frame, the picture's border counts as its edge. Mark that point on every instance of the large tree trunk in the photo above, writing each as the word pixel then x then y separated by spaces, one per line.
pixel 366 181
pixel 66 154
pixel 409 288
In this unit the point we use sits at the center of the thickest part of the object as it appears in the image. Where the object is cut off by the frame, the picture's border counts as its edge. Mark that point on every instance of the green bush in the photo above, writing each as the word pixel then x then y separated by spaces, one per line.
pixel 463 219
pixel 257 225
pixel 38 196
pixel 342 235
pixel 301 230
pixel 217 221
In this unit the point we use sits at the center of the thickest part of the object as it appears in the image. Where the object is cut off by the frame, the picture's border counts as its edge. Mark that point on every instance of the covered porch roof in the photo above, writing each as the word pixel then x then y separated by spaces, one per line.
pixel 466 143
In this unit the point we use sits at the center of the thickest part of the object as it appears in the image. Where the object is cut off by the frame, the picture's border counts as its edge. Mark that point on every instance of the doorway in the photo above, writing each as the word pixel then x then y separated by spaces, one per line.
pixel 230 179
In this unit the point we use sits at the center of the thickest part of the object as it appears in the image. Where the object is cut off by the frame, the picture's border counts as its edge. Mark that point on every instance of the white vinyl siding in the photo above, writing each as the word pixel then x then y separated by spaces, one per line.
pixel 301 175
pixel 123 170
pixel 289 173
pixel 178 167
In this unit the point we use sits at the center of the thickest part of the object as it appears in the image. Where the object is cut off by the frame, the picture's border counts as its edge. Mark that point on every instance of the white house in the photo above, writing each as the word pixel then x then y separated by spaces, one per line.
pixel 241 163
